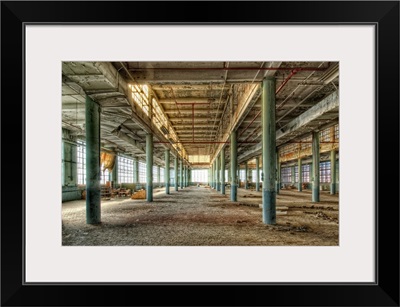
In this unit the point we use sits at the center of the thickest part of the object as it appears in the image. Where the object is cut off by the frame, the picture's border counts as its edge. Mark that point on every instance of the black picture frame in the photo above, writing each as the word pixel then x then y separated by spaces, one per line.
pixel 383 14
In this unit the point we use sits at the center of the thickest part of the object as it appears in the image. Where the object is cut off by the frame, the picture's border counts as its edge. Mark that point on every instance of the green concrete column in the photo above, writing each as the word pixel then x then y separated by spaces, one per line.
pixel 246 174
pixel 218 174
pixel 278 173
pixel 93 190
pixel 333 172
pixel 229 174
pixel 258 174
pixel 315 168
pixel 149 167
pixel 181 173
pixel 222 170
pixel 185 176
pixel 136 173
pixel 114 173
pixel 268 150
pixel 176 173
pixel 233 166
pixel 158 176
pixel 209 176
pixel 300 168
pixel 212 175
pixel 166 171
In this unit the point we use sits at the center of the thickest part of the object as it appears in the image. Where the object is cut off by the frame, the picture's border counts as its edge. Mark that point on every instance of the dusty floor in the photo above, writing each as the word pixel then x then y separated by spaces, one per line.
pixel 200 216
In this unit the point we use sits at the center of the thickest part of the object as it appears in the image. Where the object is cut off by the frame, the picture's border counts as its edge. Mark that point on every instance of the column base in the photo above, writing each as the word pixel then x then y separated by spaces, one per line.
pixel 269 207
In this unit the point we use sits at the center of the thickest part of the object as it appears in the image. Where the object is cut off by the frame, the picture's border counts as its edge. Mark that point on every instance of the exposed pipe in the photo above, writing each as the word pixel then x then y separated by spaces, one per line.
pixel 294 71
pixel 284 101
pixel 206 142
pixel 228 68
pixel 190 103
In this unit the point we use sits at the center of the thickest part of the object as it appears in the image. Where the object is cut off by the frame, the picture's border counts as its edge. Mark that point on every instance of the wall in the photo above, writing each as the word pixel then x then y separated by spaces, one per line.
pixel 71 193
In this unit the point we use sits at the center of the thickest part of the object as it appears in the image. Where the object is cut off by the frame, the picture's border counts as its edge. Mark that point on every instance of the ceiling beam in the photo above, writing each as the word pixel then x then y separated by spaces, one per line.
pixel 205 77
pixel 328 104
pixel 189 111
pixel 193 100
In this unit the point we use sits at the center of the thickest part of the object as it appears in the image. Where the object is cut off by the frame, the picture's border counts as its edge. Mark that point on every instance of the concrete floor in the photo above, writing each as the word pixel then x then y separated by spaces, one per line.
pixel 200 216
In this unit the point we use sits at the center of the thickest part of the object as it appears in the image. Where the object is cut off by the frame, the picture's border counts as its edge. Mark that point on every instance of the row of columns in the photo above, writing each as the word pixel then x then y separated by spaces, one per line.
pixel 93 191
pixel 270 157
pixel 270 166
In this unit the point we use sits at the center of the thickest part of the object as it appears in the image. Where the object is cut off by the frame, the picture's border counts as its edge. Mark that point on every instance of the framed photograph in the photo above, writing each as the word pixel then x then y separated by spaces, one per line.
pixel 320 49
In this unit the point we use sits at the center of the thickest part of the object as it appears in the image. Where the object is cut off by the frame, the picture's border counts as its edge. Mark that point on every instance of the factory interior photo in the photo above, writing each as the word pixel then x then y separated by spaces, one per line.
pixel 200 153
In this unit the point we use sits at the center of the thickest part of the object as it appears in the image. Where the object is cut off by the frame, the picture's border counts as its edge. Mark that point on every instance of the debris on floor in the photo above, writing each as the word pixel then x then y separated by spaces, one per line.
pixel 141 194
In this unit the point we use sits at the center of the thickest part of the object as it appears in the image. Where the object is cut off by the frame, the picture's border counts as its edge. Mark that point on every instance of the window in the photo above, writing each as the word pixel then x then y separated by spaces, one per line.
pixel 162 179
pixel 325 135
pixel 305 173
pixel 325 172
pixel 254 175
pixel 104 176
pixel 81 162
pixel 125 169
pixel 172 176
pixel 242 175
pixel 199 175
pixel 226 176
pixel 336 132
pixel 142 172
pixel 286 174
pixel 306 143
pixel 199 158
pixel 155 173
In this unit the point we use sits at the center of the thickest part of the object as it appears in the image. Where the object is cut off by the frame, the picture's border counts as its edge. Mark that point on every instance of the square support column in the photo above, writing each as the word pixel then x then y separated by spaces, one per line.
pixel 166 172
pixel 222 170
pixel 181 174
pixel 300 170
pixel 315 166
pixel 233 159
pixel 176 173
pixel 246 175
pixel 333 172
pixel 93 190
pixel 217 171
pixel 258 174
pixel 114 173
pixel 268 150
pixel 149 167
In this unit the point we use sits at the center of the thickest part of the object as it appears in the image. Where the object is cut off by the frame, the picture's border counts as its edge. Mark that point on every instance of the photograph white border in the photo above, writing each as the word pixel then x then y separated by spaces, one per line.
pixel 47 46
